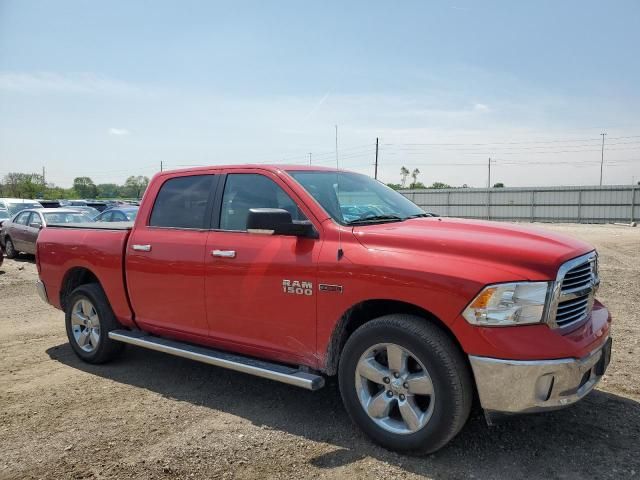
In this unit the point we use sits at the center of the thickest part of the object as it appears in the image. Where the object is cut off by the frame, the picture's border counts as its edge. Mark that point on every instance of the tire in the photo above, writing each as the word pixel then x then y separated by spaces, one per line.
pixel 9 248
pixel 89 319
pixel 426 405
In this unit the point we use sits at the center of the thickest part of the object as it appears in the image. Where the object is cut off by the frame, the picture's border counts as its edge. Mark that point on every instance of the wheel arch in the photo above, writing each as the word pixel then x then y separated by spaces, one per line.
pixel 73 278
pixel 365 311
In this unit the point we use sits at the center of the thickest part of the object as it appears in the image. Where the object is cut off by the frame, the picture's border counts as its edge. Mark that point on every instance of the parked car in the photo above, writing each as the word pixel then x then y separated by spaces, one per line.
pixel 15 205
pixel 21 232
pixel 49 203
pixel 256 269
pixel 90 211
pixel 118 214
pixel 98 205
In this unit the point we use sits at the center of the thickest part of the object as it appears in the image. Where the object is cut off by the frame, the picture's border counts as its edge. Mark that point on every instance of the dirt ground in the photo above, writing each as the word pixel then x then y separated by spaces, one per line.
pixel 149 415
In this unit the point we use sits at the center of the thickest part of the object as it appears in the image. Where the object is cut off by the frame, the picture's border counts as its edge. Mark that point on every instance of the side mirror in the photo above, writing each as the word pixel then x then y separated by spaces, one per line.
pixel 277 221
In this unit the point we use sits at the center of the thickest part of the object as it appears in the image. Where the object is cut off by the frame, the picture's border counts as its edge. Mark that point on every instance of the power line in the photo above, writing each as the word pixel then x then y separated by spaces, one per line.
pixel 514 143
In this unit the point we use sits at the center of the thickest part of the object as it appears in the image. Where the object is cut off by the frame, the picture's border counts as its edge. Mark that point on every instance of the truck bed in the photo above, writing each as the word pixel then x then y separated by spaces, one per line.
pixel 65 249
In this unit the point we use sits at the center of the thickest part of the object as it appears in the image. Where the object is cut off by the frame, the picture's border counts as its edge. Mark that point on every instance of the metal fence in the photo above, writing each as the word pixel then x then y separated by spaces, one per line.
pixel 606 204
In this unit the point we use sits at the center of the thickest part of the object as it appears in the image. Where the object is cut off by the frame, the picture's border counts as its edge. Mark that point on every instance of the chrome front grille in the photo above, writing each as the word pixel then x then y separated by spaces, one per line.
pixel 578 277
pixel 570 311
pixel 574 291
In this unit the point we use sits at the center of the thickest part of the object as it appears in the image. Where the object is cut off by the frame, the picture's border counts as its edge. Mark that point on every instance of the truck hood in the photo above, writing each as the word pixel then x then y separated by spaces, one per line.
pixel 523 251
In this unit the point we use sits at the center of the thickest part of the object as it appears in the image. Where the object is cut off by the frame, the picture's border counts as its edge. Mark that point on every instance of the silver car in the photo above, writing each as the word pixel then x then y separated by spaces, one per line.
pixel 21 232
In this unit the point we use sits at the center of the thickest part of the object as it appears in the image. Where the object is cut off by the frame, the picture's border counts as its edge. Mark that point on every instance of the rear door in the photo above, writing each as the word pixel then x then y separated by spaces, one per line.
pixel 261 293
pixel 165 257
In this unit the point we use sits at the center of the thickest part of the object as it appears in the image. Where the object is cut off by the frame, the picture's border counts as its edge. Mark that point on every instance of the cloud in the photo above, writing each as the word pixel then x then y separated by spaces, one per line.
pixel 481 107
pixel 68 83
pixel 118 131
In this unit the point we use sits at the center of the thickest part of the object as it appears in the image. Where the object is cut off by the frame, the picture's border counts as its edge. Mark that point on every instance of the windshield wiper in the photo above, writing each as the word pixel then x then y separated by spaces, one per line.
pixel 375 218
pixel 419 215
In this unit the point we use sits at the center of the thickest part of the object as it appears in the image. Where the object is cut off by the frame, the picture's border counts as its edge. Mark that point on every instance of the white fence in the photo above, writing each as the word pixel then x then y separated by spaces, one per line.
pixel 606 204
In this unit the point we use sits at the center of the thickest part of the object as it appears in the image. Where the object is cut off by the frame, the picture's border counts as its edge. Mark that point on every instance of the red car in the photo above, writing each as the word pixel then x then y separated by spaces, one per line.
pixel 259 269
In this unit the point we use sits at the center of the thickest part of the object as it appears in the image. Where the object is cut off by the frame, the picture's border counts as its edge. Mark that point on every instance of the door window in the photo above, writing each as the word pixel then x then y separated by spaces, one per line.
pixel 35 220
pixel 182 202
pixel 244 191
pixel 22 218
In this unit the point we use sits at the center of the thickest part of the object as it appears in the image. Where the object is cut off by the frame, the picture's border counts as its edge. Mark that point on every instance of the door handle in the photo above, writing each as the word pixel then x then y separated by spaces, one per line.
pixel 224 253
pixel 141 248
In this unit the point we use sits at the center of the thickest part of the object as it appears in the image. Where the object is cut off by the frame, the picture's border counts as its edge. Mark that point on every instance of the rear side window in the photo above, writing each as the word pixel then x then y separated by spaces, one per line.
pixel 182 202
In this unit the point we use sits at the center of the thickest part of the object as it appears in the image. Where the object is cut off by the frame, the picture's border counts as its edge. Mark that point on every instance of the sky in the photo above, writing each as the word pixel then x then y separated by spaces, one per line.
pixel 112 89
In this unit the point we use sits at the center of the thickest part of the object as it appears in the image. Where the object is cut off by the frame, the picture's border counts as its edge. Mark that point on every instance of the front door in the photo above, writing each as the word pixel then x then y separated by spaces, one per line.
pixel 18 232
pixel 261 289
pixel 165 257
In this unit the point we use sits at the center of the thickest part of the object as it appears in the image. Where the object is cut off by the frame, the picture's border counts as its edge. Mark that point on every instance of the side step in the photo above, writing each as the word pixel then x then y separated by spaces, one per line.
pixel 231 361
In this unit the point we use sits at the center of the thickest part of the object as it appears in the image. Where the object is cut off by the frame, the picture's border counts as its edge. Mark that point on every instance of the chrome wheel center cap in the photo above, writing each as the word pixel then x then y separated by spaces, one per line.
pixel 396 385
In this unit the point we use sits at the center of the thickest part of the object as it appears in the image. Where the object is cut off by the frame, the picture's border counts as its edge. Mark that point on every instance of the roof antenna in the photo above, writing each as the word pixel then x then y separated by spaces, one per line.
pixel 340 252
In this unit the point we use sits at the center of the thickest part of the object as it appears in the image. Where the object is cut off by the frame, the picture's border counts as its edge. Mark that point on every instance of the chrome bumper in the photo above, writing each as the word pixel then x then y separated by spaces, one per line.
pixel 515 386
pixel 42 291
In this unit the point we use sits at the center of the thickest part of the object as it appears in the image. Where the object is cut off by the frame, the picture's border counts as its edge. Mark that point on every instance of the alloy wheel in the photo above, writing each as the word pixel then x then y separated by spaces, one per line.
pixel 85 325
pixel 394 388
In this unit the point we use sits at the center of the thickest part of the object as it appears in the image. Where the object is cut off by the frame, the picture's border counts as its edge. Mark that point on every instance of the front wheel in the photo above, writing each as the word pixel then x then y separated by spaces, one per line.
pixel 89 319
pixel 405 383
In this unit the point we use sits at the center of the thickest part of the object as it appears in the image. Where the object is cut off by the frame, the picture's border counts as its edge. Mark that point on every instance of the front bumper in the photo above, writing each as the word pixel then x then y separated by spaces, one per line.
pixel 519 386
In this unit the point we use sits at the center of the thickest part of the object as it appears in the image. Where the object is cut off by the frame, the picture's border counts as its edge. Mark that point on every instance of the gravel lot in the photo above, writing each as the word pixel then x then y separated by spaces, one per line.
pixel 149 415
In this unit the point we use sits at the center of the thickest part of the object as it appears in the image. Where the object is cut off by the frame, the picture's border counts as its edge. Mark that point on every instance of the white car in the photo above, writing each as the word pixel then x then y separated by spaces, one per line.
pixel 15 205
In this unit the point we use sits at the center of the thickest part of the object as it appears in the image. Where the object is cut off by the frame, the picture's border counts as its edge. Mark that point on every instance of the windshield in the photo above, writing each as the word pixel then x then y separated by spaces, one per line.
pixel 18 207
pixel 70 217
pixel 352 198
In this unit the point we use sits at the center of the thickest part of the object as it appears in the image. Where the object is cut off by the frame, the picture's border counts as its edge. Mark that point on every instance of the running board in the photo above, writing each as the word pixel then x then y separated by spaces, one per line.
pixel 231 361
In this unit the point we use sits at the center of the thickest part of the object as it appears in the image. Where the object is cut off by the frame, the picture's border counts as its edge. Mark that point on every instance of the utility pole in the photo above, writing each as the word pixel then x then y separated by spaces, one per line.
pixel 375 173
pixel 309 158
pixel 489 176
pixel 160 165
pixel 44 179
pixel 602 158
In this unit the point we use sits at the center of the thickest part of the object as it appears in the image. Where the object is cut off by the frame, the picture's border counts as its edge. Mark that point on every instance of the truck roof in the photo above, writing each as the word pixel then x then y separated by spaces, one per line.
pixel 262 166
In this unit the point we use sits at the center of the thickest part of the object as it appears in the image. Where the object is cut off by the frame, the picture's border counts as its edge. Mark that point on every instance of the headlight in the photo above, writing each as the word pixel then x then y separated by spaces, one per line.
pixel 508 304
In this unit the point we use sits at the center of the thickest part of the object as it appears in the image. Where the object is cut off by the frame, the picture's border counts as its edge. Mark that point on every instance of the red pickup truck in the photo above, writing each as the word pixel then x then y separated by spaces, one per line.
pixel 296 273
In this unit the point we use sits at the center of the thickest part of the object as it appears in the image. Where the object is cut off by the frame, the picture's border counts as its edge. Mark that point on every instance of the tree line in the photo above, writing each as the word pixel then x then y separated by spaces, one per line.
pixel 405 173
pixel 33 185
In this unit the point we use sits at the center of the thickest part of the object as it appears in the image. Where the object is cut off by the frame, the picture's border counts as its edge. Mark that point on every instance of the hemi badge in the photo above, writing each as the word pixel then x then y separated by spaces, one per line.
pixel 330 288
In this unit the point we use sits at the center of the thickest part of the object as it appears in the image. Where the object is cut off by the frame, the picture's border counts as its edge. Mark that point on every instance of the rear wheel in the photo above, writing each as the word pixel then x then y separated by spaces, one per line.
pixel 9 248
pixel 405 383
pixel 89 319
